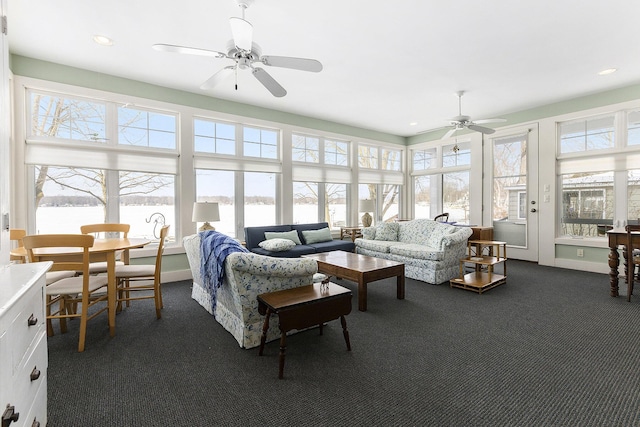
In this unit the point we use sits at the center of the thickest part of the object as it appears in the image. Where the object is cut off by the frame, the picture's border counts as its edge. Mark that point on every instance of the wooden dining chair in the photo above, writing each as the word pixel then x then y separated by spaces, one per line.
pixel 105 231
pixel 86 289
pixel 633 257
pixel 16 235
pixel 133 280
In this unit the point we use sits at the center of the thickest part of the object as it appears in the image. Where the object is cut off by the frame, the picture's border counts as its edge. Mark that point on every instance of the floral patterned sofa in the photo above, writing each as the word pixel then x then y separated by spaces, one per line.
pixel 430 250
pixel 246 276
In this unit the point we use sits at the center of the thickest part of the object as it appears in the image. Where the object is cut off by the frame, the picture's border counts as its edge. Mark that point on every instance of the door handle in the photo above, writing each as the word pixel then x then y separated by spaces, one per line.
pixel 534 210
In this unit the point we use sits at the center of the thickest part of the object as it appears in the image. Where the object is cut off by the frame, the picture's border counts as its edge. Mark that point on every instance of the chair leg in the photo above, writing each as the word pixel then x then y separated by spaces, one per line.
pixel 83 325
pixel 50 332
pixel 630 286
pixel 158 299
pixel 63 311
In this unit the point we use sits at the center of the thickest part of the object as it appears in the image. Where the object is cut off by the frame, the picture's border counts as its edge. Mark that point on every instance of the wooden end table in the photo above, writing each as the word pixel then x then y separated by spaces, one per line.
pixel 353 232
pixel 361 269
pixel 303 307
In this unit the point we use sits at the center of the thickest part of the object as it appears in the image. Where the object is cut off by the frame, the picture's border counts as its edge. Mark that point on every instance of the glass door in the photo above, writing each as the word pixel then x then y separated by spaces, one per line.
pixel 513 191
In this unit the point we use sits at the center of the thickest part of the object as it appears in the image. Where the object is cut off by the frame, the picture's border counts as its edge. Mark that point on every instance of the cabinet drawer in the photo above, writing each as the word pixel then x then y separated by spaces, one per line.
pixel 24 387
pixel 26 326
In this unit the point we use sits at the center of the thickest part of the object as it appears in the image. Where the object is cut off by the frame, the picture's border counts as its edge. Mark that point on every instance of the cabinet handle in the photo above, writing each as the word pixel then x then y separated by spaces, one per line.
pixel 35 374
pixel 35 423
pixel 10 415
pixel 32 321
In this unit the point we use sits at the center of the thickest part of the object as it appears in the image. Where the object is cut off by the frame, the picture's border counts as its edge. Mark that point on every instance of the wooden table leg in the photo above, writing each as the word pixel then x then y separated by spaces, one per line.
pixel 362 295
pixel 283 347
pixel 345 332
pixel 400 286
pixel 265 327
pixel 111 291
pixel 614 262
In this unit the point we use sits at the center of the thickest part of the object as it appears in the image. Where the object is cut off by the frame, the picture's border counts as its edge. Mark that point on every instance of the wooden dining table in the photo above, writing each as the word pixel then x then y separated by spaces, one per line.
pixel 102 250
pixel 618 237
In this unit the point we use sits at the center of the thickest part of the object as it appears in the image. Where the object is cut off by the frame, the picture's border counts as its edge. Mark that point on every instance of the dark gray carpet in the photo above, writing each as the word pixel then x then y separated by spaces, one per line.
pixel 549 348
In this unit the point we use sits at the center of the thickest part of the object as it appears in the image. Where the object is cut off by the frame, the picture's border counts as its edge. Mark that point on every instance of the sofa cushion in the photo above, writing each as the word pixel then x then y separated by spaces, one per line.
pixel 438 232
pixel 277 245
pixel 316 236
pixel 412 250
pixel 376 245
pixel 291 235
pixel 334 245
pixel 295 252
pixel 254 235
pixel 387 231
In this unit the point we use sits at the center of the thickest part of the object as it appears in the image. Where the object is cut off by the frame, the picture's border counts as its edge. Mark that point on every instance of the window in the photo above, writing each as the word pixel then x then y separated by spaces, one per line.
pixel 522 205
pixel 305 202
pixel 391 160
pixel 67 118
pixel 336 153
pixel 455 195
pixel 224 195
pixel 305 149
pixel 587 201
pixel 424 159
pixel 633 195
pixel 68 197
pixel 368 157
pixel 390 202
pixel 336 205
pixel 214 137
pixel 259 199
pixel 456 154
pixel 633 128
pixel 260 143
pixel 583 135
pixel 422 196
pixel 146 128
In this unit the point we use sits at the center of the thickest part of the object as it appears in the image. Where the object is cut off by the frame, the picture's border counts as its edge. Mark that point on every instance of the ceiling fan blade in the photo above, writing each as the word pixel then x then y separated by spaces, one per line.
pixel 242 33
pixel 188 50
pixel 268 82
pixel 302 64
pixel 451 132
pixel 490 121
pixel 218 77
pixel 481 129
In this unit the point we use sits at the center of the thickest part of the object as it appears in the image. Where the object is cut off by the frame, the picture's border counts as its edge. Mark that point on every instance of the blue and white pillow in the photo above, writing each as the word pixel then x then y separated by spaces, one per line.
pixel 277 245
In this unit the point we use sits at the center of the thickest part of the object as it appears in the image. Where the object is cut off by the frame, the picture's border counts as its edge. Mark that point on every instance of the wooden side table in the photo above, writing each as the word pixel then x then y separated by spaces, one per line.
pixel 303 307
pixel 353 232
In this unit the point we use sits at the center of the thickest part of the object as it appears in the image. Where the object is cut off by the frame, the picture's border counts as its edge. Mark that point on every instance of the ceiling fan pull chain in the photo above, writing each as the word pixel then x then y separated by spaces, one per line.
pixel 236 73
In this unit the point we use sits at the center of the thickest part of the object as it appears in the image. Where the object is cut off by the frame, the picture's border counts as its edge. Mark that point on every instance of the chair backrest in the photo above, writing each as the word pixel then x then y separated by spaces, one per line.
pixel 163 236
pixel 112 228
pixel 443 217
pixel 16 234
pixel 79 243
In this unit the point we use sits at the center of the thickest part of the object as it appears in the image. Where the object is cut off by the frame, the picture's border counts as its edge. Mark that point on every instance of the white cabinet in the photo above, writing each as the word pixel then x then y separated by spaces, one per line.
pixel 23 345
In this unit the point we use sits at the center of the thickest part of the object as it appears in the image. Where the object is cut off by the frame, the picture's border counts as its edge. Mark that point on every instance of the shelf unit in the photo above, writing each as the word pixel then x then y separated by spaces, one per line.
pixel 483 255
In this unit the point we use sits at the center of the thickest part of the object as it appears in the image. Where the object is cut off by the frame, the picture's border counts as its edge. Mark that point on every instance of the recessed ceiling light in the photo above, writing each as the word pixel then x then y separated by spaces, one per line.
pixel 413 124
pixel 607 71
pixel 102 40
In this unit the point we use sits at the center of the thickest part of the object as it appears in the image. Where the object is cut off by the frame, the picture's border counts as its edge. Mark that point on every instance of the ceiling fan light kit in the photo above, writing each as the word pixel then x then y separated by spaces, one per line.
pixel 461 121
pixel 245 53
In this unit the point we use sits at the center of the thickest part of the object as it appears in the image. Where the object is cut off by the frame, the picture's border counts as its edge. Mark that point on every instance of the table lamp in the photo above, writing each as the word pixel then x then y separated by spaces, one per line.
pixel 366 206
pixel 205 212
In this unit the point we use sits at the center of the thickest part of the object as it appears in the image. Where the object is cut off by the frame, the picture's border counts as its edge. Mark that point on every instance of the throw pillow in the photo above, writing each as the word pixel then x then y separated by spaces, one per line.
pixel 291 235
pixel 317 236
pixel 387 231
pixel 277 245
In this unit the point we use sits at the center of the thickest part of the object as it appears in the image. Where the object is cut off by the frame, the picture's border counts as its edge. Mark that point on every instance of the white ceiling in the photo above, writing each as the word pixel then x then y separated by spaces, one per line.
pixel 386 63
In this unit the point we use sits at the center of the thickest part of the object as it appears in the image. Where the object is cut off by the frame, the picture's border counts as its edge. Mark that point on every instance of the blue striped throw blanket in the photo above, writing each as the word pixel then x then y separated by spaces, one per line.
pixel 214 249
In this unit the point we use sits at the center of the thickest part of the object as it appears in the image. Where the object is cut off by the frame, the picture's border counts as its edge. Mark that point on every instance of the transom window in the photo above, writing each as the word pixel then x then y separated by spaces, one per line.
pixel 596 133
pixel 424 159
pixel 336 153
pixel 214 137
pixel 261 143
pixel 305 149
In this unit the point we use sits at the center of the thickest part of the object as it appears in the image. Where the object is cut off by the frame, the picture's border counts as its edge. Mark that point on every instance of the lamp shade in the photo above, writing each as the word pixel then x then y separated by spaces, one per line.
pixel 205 212
pixel 366 205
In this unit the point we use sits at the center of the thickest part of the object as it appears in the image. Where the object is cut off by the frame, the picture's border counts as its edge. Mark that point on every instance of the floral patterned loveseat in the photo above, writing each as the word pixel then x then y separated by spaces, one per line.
pixel 246 276
pixel 430 250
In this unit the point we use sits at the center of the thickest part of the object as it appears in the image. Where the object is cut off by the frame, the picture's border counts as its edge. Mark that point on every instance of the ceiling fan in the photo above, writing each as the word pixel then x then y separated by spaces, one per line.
pixel 461 122
pixel 244 52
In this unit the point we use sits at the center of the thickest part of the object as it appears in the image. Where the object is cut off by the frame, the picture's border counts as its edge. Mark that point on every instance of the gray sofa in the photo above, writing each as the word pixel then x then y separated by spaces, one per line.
pixel 255 235
pixel 430 250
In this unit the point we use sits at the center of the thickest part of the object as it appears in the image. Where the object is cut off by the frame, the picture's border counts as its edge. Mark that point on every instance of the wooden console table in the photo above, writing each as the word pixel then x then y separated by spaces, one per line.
pixel 303 307
pixel 353 232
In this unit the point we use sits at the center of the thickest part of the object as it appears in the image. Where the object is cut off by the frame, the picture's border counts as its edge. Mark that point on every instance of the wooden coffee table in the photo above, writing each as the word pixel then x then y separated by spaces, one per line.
pixel 303 307
pixel 361 269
